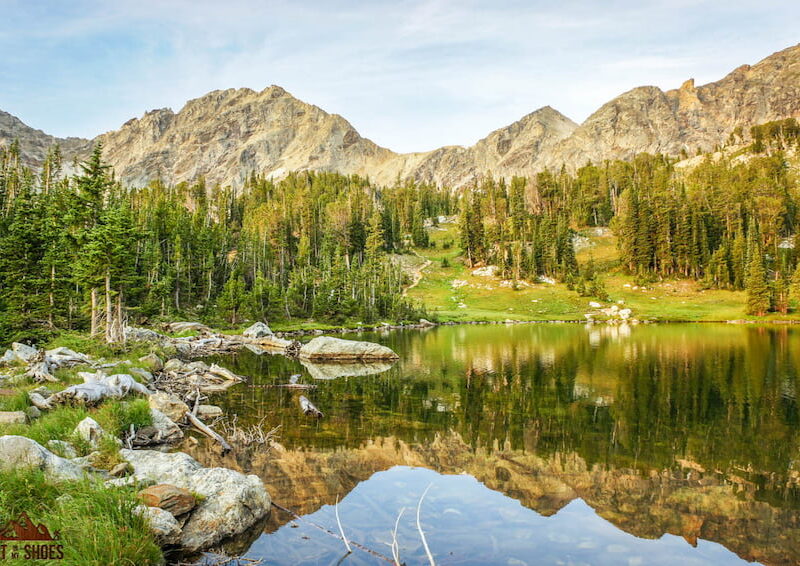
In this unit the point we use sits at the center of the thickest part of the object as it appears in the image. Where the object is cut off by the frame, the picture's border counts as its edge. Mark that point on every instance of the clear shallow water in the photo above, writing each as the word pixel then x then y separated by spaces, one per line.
pixel 544 444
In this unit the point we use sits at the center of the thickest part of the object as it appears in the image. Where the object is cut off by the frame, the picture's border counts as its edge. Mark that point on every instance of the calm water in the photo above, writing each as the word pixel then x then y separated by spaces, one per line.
pixel 539 444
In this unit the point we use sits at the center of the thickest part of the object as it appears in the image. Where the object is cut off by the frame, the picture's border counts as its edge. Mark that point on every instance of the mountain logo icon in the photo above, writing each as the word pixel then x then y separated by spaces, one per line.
pixel 23 528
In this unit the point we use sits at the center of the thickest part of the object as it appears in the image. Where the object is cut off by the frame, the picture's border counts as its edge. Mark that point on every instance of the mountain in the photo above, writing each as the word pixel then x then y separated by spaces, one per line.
pixel 35 143
pixel 647 119
pixel 226 135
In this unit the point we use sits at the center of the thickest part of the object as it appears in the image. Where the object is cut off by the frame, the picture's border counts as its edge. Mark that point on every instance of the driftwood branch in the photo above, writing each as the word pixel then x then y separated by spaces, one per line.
pixel 419 527
pixel 205 429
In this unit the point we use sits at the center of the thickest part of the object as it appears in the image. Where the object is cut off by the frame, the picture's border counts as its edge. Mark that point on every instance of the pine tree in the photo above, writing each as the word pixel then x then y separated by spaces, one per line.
pixel 758 291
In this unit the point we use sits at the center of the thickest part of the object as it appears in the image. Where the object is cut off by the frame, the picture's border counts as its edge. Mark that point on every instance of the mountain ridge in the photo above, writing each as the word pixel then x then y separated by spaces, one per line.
pixel 225 135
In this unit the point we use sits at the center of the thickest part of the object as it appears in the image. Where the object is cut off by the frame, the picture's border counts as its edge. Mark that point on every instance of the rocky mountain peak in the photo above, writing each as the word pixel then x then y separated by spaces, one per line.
pixel 225 135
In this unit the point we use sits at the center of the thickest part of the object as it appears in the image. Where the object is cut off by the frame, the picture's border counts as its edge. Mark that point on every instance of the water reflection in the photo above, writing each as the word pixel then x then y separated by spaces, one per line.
pixel 466 523
pixel 689 430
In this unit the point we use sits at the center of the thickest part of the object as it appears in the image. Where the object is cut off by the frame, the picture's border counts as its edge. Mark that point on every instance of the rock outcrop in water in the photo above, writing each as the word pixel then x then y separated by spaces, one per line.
pixel 226 135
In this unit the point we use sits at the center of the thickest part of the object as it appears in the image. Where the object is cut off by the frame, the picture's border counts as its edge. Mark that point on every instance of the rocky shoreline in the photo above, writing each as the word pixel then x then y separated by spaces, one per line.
pixel 189 508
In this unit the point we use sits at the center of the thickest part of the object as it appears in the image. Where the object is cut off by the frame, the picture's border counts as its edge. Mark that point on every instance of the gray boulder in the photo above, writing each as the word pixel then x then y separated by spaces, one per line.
pixel 325 348
pixel 162 524
pixel 21 452
pixel 258 330
pixel 91 431
pixel 231 502
pixel 62 448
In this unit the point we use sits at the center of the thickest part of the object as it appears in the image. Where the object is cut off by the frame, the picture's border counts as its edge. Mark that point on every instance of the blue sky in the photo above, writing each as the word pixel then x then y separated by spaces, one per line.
pixel 410 75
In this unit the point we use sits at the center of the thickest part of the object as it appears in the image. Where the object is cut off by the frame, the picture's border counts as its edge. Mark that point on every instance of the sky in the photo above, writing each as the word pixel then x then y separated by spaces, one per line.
pixel 410 75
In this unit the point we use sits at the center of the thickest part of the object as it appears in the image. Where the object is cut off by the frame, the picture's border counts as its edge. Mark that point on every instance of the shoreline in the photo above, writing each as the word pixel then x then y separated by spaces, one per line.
pixel 415 326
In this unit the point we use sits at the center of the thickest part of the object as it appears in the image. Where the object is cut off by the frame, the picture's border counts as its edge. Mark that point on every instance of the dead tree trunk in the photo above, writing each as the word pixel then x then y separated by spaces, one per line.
pixel 95 318
pixel 109 309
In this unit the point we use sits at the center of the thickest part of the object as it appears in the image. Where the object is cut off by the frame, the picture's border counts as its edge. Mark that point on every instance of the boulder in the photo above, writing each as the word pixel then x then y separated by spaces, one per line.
pixel 162 431
pixel 169 405
pixel 152 362
pixel 179 327
pixel 168 497
pixel 143 335
pixel 12 417
pixel 488 271
pixel 258 330
pixel 21 452
pixel 426 322
pixel 162 524
pixel 595 304
pixel 89 430
pixel 325 348
pixel 62 448
pixel 231 504
pixel 32 413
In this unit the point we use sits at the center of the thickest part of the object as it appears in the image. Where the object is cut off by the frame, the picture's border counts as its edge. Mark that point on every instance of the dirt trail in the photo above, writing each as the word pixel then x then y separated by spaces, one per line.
pixel 416 273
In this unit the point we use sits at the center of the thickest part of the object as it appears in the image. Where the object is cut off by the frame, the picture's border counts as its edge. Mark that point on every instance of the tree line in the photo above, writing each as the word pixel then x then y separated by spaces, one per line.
pixel 82 252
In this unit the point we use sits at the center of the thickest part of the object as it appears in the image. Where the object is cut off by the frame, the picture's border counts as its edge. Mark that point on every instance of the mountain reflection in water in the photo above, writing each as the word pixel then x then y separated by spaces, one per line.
pixel 679 434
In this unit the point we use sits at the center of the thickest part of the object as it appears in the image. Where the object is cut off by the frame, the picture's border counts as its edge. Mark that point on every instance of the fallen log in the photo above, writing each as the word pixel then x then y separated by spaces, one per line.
pixel 98 387
pixel 309 408
pixel 205 429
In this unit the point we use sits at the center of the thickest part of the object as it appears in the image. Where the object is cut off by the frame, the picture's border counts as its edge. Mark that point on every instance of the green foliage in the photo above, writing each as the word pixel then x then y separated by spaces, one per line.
pixel 97 524
pixel 17 402
pixel 116 417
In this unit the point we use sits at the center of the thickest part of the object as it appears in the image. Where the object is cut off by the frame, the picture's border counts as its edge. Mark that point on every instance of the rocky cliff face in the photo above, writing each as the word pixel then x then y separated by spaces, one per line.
pixel 226 135
pixel 34 143
pixel 647 119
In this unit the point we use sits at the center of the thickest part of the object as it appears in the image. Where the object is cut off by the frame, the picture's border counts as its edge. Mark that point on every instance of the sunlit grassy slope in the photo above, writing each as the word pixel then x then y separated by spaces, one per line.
pixel 487 299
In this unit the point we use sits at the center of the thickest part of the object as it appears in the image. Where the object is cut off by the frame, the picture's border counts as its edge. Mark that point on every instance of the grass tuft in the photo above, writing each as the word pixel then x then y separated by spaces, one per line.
pixel 96 522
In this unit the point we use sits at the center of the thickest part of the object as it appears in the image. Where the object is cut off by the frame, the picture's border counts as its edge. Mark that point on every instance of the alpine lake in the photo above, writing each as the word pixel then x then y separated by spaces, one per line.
pixel 558 444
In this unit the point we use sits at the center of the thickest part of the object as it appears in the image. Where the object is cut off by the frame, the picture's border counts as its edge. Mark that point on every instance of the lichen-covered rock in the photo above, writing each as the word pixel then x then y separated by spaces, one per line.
pixel 21 452
pixel 325 348
pixel 232 502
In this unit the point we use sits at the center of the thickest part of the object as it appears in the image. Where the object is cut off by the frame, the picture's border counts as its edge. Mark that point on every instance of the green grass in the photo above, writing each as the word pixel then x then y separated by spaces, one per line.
pixel 17 402
pixel 486 300
pixel 96 523
pixel 114 416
